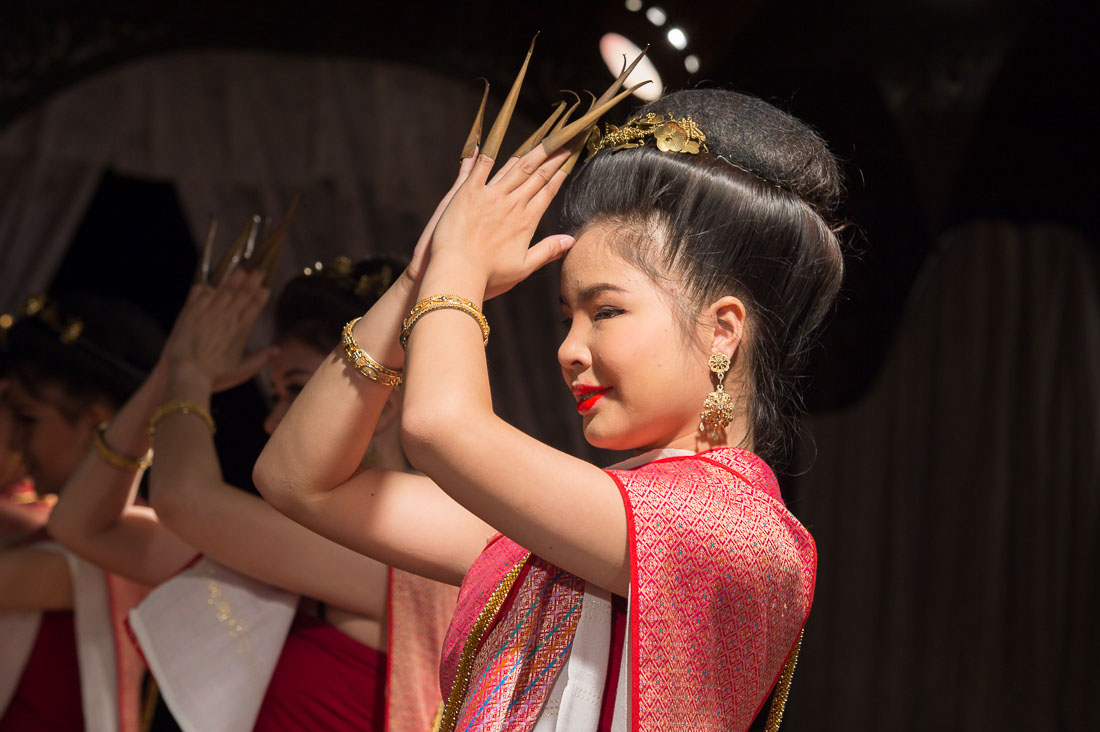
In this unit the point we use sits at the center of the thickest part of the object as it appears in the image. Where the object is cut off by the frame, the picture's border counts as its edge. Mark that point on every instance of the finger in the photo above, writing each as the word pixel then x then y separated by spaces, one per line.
pixel 545 178
pixel 525 167
pixel 508 165
pixel 546 251
pixel 248 367
pixel 483 166
pixel 541 200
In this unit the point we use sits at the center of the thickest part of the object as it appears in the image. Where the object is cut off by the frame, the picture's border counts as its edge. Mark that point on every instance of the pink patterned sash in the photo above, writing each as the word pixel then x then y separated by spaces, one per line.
pixel 722 577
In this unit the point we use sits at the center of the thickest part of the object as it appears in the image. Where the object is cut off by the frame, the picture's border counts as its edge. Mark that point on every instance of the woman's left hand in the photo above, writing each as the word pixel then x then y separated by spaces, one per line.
pixel 212 332
pixel 488 225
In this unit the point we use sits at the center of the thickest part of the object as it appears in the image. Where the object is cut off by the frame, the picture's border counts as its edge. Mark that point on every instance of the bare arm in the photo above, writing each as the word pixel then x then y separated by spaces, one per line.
pixel 96 516
pixel 561 508
pixel 32 578
pixel 310 469
pixel 186 486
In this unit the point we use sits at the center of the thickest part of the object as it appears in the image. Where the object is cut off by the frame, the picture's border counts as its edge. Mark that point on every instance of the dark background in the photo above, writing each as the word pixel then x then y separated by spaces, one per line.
pixel 943 113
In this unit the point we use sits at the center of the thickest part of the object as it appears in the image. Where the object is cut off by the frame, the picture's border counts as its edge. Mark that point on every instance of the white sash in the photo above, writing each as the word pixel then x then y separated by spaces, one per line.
pixel 212 638
pixel 95 644
pixel 574 702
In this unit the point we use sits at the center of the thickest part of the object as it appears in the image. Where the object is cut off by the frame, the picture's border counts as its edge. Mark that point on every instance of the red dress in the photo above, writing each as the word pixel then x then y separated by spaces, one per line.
pixel 48 696
pixel 325 680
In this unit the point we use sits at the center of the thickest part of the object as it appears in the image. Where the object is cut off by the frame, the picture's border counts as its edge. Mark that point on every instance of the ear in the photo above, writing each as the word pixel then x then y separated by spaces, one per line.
pixel 728 315
pixel 96 414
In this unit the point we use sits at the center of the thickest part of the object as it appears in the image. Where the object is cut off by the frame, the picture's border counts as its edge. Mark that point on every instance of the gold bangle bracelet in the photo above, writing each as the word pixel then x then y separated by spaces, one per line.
pixel 116 459
pixel 443 302
pixel 363 362
pixel 182 406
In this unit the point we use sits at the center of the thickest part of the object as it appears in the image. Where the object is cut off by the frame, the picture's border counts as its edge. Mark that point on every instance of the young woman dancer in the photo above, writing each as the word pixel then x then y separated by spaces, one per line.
pixel 702 264
pixel 331 671
pixel 66 663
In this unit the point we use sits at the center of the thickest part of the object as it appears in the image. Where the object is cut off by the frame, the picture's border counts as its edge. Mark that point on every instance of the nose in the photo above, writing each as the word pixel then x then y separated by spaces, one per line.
pixel 573 353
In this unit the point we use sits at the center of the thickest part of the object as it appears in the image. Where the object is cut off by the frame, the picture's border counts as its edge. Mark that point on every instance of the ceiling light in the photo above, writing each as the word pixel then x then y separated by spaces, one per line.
pixel 656 16
pixel 613 48
pixel 633 5
pixel 691 63
pixel 677 38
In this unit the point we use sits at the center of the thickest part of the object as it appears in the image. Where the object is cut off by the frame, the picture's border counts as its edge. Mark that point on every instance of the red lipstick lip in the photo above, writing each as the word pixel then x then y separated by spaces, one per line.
pixel 588 396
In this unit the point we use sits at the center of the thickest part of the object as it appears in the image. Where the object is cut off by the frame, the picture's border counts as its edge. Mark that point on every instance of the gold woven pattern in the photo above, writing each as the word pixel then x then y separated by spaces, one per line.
pixel 443 302
pixel 473 643
pixel 363 362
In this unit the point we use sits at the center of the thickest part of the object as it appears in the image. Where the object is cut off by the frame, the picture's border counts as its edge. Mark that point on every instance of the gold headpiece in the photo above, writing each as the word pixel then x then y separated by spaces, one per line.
pixel 371 286
pixel 669 134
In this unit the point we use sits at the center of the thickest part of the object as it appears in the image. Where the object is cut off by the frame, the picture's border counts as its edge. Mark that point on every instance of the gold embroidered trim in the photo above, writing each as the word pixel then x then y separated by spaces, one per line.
pixel 469 650
pixel 782 688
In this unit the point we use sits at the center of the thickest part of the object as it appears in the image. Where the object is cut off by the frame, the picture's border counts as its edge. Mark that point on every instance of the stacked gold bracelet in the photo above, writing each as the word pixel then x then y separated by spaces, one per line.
pixel 443 302
pixel 116 459
pixel 363 363
pixel 182 406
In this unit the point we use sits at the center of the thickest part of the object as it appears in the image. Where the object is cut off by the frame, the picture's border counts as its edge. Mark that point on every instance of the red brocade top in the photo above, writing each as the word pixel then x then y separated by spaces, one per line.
pixel 325 680
pixel 48 696
pixel 722 577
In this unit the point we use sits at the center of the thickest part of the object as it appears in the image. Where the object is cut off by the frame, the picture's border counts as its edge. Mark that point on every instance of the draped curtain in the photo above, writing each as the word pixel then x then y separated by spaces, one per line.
pixel 956 506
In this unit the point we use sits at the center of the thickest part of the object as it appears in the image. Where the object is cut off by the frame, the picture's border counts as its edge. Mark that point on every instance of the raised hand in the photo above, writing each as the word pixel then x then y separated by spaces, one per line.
pixel 212 331
pixel 489 223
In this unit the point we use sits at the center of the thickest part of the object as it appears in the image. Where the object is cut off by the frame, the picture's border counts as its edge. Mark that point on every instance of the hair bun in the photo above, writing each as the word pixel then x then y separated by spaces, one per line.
pixel 771 144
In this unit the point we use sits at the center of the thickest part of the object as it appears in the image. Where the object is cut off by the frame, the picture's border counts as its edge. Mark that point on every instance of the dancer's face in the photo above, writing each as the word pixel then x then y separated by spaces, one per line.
pixel 53 438
pixel 638 375
pixel 290 371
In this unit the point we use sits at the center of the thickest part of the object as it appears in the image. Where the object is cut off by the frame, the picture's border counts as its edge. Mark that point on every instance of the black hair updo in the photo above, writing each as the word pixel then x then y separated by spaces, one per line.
pixel 751 217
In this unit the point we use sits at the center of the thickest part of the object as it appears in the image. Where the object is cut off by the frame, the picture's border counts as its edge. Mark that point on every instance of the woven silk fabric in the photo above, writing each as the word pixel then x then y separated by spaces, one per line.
pixel 526 647
pixel 420 611
pixel 722 579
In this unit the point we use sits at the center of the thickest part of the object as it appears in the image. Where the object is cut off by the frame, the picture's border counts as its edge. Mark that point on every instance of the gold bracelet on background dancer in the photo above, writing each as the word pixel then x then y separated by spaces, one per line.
pixel 116 459
pixel 443 302
pixel 182 406
pixel 363 362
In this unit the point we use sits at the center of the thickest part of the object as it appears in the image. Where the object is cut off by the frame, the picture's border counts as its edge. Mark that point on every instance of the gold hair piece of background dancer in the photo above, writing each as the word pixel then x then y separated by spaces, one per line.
pixel 443 302
pixel 116 459
pixel 363 362
pixel 183 406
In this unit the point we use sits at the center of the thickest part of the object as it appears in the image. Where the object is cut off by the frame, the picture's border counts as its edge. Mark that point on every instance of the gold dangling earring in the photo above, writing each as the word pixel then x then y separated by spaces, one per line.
pixel 717 411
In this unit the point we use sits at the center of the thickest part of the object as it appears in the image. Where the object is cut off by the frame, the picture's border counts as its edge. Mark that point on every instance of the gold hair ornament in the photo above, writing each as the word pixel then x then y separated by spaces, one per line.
pixel 668 133
pixel 363 362
pixel 116 459
pixel 443 302
pixel 182 406
pixel 718 406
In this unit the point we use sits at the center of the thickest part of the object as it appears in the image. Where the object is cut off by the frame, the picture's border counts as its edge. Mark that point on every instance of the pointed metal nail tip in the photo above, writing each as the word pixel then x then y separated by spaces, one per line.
pixel 567 116
pixel 474 138
pixel 571 130
pixel 202 271
pixel 621 78
pixel 578 148
pixel 273 244
pixel 536 136
pixel 500 125
pixel 232 257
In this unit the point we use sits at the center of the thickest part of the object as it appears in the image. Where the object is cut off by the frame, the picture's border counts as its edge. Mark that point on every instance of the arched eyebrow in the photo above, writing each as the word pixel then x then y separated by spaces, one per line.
pixel 592 292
